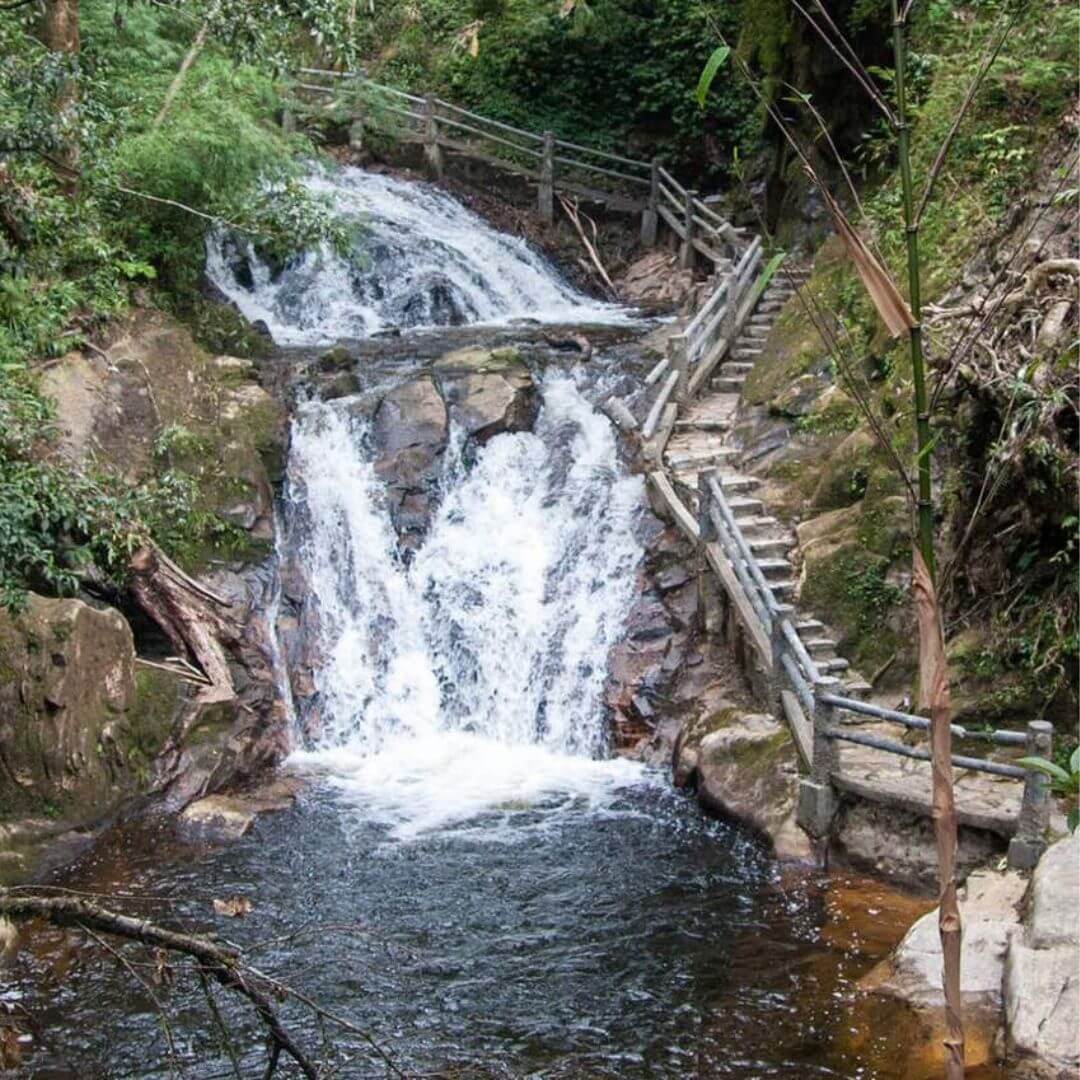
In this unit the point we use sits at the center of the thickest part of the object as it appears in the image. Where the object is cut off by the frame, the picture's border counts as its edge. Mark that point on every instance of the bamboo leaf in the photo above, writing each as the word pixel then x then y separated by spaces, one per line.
pixel 1048 768
pixel 708 74
pixel 1074 761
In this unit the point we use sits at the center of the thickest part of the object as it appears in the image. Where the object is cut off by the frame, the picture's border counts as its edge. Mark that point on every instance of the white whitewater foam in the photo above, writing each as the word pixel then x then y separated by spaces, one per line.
pixel 471 679
pixel 422 259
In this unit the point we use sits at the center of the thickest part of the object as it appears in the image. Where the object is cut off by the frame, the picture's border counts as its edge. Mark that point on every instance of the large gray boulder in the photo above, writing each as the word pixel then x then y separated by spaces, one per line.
pixel 743 766
pixel 1042 971
pixel 989 902
pixel 409 432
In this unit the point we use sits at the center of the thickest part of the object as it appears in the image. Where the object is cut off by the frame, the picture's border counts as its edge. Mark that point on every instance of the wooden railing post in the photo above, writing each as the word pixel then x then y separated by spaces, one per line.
pixel 546 191
pixel 288 121
pixel 817 802
pixel 678 358
pixel 686 259
pixel 1028 844
pixel 356 134
pixel 650 215
pixel 432 150
pixel 708 615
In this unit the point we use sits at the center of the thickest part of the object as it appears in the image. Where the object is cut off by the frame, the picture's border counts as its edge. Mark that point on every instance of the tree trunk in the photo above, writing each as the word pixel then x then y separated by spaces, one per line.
pixel 60 34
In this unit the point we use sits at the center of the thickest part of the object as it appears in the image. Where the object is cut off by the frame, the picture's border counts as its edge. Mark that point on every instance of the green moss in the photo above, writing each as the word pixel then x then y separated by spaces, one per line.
pixel 849 588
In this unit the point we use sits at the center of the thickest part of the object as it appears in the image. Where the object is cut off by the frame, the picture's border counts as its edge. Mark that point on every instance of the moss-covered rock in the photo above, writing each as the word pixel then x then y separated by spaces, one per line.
pixel 162 407
pixel 743 766
pixel 78 727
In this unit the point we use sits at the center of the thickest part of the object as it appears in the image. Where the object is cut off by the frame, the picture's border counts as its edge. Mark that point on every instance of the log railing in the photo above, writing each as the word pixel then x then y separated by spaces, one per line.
pixel 617 180
pixel 695 353
pixel 813 705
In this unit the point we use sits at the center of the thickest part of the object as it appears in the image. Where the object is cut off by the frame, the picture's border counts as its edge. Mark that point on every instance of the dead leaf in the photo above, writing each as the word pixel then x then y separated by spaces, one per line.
pixel 875 278
pixel 233 907
pixel 10 1050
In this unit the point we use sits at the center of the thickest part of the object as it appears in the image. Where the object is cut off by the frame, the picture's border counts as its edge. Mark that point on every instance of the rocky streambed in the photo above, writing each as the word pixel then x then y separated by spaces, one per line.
pixel 483 654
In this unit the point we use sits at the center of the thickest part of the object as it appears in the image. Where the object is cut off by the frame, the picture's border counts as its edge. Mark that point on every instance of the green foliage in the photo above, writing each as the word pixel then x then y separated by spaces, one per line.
pixel 69 264
pixel 604 73
pixel 58 525
pixel 1064 781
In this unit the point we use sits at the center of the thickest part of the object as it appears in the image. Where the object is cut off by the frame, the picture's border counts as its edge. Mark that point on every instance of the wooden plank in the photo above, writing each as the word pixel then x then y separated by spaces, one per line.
pixel 657 371
pixel 654 451
pixel 674 223
pixel 465 150
pixel 445 121
pixel 679 513
pixel 705 366
pixel 651 421
pixel 714 553
pixel 802 731
pixel 576 163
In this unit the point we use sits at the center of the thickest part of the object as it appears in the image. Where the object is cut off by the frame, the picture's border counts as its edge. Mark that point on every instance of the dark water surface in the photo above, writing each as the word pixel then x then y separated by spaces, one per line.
pixel 636 940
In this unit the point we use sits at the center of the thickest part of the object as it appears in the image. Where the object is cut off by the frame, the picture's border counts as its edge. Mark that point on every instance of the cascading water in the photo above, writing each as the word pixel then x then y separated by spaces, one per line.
pixel 472 677
pixel 421 259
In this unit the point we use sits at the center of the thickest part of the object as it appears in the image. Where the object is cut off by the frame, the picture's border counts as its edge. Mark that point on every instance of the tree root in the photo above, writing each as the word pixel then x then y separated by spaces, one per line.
pixel 195 619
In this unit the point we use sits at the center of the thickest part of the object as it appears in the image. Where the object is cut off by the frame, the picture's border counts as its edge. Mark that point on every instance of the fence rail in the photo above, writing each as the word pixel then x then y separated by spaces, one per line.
pixel 818 715
pixel 623 182
pixel 812 705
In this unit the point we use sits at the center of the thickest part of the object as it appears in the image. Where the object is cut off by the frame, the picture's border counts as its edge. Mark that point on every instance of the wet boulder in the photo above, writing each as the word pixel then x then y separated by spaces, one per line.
pixel 489 391
pixel 409 433
pixel 743 767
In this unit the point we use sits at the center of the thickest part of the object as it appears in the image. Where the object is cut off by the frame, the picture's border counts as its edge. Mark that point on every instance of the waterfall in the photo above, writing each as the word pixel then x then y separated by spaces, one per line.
pixel 470 677
pixel 420 259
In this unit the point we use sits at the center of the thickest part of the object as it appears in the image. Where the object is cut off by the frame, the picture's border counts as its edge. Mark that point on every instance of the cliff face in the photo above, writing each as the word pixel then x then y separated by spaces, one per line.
pixel 82 725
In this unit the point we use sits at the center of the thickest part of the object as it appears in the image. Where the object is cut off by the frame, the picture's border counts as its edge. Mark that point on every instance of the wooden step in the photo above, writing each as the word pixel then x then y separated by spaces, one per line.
pixel 702 425
pixel 809 626
pixel 745 506
pixel 728 385
pixel 832 666
pixel 738 483
pixel 820 646
pixel 701 459
pixel 746 352
pixel 858 687
pixel 738 367
pixel 783 588
pixel 775 569
pixel 770 547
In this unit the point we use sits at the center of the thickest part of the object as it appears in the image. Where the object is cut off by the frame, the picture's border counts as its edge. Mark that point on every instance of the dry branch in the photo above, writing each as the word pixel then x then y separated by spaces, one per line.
pixel 223 963
pixel 575 215
pixel 195 619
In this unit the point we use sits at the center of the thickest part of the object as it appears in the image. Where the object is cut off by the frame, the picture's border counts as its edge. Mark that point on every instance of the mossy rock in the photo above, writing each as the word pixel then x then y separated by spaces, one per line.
pixel 850 588
pixel 480 359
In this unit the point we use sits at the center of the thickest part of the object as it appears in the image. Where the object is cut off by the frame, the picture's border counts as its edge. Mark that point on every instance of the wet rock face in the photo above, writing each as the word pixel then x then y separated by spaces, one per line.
pixel 70 734
pixel 409 433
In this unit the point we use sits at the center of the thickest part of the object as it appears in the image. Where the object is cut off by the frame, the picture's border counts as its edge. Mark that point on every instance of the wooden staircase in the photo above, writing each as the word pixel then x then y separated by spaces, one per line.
pixel 700 441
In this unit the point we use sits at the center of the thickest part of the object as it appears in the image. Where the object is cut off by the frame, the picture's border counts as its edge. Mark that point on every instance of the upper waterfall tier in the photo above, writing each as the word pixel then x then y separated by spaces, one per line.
pixel 420 259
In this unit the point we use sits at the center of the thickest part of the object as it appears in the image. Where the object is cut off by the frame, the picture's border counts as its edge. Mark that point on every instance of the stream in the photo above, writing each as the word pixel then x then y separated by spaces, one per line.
pixel 469 874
